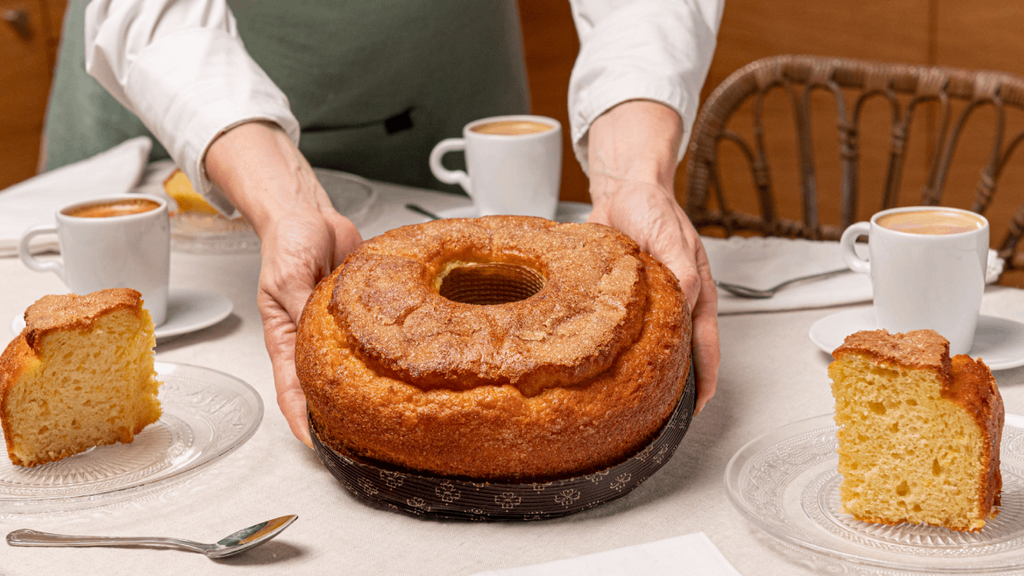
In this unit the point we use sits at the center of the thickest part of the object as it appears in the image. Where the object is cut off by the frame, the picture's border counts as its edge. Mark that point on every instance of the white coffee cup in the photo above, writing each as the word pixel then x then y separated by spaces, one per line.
pixel 508 173
pixel 100 251
pixel 927 266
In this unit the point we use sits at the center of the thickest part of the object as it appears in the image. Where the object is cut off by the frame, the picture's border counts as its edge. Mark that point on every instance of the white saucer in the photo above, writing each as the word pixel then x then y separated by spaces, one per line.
pixel 567 212
pixel 997 341
pixel 187 311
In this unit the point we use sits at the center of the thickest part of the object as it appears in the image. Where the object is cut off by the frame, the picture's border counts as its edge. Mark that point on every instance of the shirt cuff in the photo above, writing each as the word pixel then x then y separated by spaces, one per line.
pixel 192 86
pixel 654 51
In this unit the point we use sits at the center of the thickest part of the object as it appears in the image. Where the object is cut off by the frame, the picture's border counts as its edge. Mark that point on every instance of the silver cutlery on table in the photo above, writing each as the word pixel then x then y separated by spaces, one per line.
pixel 228 546
pixel 748 292
pixel 422 211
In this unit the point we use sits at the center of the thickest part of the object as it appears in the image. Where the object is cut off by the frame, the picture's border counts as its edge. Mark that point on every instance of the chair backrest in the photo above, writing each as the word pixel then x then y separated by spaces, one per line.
pixel 852 84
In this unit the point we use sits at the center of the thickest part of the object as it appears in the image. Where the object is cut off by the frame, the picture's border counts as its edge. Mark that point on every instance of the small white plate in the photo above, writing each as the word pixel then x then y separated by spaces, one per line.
pixel 567 212
pixel 188 310
pixel 997 341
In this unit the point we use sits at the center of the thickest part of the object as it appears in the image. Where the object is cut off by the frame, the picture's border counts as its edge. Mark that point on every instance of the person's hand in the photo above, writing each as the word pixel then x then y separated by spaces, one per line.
pixel 632 155
pixel 303 239
pixel 298 249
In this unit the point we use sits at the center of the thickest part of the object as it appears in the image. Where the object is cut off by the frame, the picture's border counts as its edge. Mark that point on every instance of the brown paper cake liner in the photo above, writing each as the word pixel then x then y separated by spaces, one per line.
pixel 445 498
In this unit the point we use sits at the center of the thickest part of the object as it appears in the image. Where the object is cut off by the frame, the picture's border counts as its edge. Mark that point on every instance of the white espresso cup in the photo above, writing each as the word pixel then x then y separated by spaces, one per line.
pixel 514 164
pixel 927 266
pixel 117 241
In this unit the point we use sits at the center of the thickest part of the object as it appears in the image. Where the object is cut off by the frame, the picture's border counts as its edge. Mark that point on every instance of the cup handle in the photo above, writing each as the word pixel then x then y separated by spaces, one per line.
pixel 26 255
pixel 443 174
pixel 847 247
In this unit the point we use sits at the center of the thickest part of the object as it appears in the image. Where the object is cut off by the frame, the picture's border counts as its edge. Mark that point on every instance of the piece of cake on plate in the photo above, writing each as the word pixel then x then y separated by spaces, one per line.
pixel 79 375
pixel 918 432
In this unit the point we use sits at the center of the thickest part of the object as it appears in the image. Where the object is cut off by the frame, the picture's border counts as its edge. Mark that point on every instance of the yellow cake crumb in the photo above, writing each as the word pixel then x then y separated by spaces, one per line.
pixel 919 432
pixel 81 374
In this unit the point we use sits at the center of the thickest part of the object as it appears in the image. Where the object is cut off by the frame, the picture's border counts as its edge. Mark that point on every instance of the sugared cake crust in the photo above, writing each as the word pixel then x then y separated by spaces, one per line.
pixel 74 312
pixel 924 349
pixel 399 365
pixel 589 309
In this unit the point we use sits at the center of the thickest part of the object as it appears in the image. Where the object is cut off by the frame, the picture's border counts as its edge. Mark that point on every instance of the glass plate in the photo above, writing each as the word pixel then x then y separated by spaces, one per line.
pixel 206 415
pixel 352 196
pixel 196 233
pixel 787 483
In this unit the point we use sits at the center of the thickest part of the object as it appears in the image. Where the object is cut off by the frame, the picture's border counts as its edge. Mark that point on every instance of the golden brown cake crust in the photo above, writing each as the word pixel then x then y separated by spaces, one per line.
pixel 974 388
pixel 588 310
pixel 577 421
pixel 922 349
pixel 74 312
pixel 17 357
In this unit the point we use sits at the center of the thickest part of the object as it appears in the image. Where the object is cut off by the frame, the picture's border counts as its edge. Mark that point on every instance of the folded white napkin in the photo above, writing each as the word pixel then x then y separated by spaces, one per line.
pixel 693 555
pixel 36 200
pixel 765 262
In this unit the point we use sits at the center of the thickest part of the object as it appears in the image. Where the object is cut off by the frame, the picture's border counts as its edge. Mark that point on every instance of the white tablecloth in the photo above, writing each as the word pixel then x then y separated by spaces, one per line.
pixel 771 375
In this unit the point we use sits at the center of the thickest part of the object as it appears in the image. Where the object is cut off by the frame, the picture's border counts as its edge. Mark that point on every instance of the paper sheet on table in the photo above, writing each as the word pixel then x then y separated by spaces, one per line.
pixel 765 262
pixel 693 555
pixel 35 200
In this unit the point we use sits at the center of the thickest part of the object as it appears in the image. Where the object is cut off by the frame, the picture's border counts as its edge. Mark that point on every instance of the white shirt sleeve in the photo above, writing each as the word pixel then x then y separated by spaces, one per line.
pixel 656 50
pixel 181 67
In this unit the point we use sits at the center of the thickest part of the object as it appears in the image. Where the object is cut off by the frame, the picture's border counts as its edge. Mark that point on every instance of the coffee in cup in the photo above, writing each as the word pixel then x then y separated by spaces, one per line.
pixel 111 209
pixel 512 127
pixel 513 164
pixel 927 268
pixel 935 222
pixel 121 241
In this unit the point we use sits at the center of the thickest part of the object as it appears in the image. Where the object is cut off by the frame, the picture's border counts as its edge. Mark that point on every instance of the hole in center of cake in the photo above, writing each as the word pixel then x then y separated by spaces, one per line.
pixel 489 283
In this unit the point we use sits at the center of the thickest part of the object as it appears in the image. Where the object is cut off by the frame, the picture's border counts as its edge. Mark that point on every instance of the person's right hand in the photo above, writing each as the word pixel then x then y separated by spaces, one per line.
pixel 303 239
pixel 300 248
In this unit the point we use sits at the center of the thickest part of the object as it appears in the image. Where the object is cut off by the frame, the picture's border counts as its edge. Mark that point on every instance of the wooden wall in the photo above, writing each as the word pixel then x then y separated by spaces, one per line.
pixel 982 34
pixel 551 45
pixel 29 33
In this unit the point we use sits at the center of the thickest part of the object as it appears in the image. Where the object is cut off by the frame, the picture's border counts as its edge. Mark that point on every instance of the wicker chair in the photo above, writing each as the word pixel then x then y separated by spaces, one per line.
pixel 905 87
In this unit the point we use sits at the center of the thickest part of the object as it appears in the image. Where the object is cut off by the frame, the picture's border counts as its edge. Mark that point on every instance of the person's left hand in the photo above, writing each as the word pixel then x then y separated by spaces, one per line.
pixel 632 155
pixel 650 215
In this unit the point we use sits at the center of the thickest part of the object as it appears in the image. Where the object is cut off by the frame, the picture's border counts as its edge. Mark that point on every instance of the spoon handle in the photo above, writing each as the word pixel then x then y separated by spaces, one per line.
pixel 26 537
pixel 422 211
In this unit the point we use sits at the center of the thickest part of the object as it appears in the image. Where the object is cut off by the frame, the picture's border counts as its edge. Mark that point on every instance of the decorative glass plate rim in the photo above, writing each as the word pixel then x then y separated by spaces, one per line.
pixel 360 208
pixel 859 555
pixel 211 234
pixel 230 389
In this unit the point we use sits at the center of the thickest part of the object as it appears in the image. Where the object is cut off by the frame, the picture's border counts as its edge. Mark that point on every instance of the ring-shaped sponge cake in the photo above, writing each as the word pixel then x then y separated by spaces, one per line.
pixel 500 348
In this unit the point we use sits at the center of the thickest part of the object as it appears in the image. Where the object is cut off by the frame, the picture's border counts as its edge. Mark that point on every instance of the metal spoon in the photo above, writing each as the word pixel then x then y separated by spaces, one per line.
pixel 422 211
pixel 238 542
pixel 748 292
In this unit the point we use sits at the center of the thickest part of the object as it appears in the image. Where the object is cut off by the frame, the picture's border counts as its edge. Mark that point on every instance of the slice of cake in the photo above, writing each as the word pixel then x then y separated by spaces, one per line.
pixel 79 375
pixel 180 188
pixel 918 432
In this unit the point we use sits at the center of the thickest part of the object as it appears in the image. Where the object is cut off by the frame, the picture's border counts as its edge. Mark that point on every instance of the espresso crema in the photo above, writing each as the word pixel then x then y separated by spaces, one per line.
pixel 115 208
pixel 512 127
pixel 933 222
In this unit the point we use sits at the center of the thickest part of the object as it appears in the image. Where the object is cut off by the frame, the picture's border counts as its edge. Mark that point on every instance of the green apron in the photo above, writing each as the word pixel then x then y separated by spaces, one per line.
pixel 374 84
